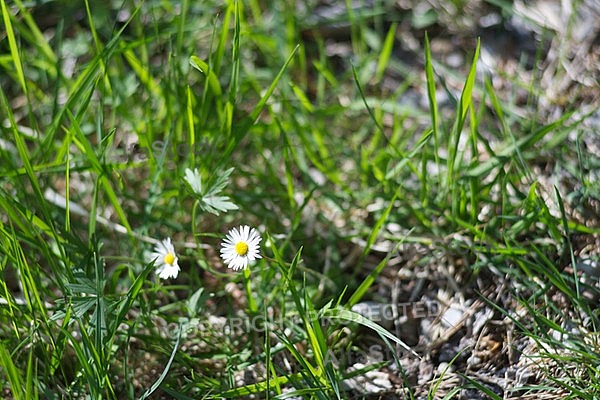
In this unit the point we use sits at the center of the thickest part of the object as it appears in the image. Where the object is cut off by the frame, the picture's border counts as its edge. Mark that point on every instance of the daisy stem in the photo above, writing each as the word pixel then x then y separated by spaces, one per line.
pixel 194 233
pixel 251 303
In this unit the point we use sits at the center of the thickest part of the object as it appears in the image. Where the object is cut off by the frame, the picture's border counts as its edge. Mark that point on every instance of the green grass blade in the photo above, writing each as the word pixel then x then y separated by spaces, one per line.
pixel 87 149
pixel 568 244
pixel 31 378
pixel 351 316
pixel 406 159
pixel 88 360
pixel 12 44
pixel 504 155
pixel 38 38
pixel 301 96
pixel 241 129
pixel 12 373
pixel 263 101
pixel 213 81
pixel 431 90
pixel 256 388
pixel 487 391
pixel 466 98
pixel 386 52
pixel 431 94
pixel 163 375
pixel 144 76
pixel 366 284
pixel 25 158
pixel 378 225
pixel 465 102
pixel 191 125
pixel 220 51
pixel 364 99
pixel 81 90
pixel 235 56
pixel 132 294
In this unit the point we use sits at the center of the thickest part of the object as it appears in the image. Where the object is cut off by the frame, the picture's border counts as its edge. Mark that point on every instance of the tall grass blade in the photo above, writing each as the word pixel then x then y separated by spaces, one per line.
pixel 14 48
pixel 351 316
pixel 568 244
pixel 370 279
pixel 165 372
pixel 12 373
pixel 463 107
pixel 386 53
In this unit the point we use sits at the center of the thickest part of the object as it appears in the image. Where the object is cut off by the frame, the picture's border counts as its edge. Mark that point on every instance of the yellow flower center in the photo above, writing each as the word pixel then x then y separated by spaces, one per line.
pixel 169 259
pixel 241 248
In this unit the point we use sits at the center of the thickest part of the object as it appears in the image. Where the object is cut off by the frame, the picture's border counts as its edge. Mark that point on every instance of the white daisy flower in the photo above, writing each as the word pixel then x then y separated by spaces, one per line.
pixel 240 247
pixel 165 259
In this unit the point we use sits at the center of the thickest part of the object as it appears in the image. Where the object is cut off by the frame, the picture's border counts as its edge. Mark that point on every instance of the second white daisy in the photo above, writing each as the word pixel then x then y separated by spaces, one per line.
pixel 165 259
pixel 240 247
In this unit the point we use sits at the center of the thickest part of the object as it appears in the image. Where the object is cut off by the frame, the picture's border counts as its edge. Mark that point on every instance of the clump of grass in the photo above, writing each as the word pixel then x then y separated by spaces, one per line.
pixel 184 122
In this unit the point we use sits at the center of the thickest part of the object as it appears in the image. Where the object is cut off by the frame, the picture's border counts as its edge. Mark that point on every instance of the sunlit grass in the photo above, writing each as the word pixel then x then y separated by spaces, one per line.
pixel 100 122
